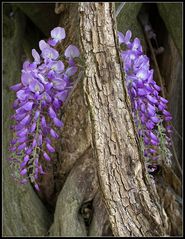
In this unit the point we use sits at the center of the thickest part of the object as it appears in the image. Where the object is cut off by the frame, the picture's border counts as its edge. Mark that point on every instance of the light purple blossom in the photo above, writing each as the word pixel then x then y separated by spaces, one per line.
pixel 46 156
pixel 44 86
pixel 43 45
pixel 16 87
pixel 23 172
pixel 36 56
pixel 57 34
pixel 50 53
pixel 71 52
pixel 71 71
pixel 57 122
pixel 148 107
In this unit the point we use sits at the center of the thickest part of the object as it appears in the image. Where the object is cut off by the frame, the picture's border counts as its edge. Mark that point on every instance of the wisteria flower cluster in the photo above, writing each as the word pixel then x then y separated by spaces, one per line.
pixel 45 84
pixel 148 107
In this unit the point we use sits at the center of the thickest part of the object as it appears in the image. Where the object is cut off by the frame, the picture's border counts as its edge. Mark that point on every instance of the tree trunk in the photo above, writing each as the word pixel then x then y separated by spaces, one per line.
pixel 97 184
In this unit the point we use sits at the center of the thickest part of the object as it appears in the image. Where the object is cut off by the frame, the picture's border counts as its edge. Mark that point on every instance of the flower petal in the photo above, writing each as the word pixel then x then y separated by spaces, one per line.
pixel 58 66
pixel 43 45
pixel 16 87
pixel 36 86
pixel 62 95
pixel 71 52
pixel 46 156
pixel 50 148
pixel 23 172
pixel 71 71
pixel 50 53
pixel 26 78
pixel 51 112
pixel 54 134
pixel 121 37
pixel 58 122
pixel 58 33
pixel 36 56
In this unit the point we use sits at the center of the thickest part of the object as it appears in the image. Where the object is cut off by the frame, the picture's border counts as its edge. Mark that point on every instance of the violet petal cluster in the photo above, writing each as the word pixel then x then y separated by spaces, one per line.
pixel 45 84
pixel 148 107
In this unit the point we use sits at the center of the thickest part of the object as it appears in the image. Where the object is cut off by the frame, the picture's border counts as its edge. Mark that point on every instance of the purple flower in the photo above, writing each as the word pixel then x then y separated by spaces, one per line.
pixel 43 45
pixel 36 56
pixel 21 146
pixel 57 122
pixel 57 34
pixel 54 134
pixel 152 151
pixel 43 122
pixel 45 96
pixel 71 71
pixel 126 39
pixel 136 45
pixel 34 143
pixel 28 106
pixel 37 113
pixel 144 94
pixel 23 172
pixel 35 86
pixel 46 156
pixel 26 78
pixel 50 148
pixel 19 116
pixel 155 119
pixel 21 95
pixel 50 53
pixel 45 84
pixel 25 120
pixel 150 125
pixel 59 84
pixel 62 95
pixel 71 52
pixel 51 112
pixel 16 87
pixel 120 38
pixel 48 86
pixel 141 91
pixel 166 113
pixel 40 140
pixel 57 66
pixel 151 99
pixel 26 159
pixel 22 133
pixel 19 127
pixel 163 100
pixel 33 127
pixel 29 150
pixel 153 142
pixel 37 187
pixel 152 136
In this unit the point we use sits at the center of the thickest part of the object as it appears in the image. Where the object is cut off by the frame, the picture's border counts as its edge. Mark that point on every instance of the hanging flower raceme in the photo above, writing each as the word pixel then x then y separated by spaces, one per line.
pixel 44 86
pixel 148 107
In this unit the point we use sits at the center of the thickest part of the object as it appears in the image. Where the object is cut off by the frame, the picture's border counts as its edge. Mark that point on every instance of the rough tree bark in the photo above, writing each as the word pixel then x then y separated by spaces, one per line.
pixel 98 184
